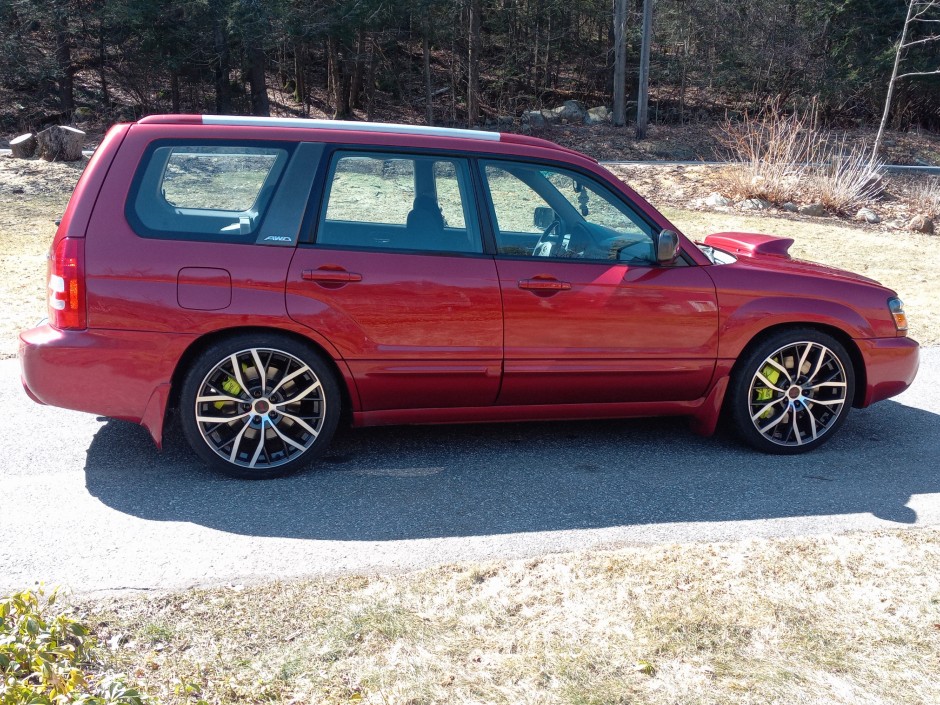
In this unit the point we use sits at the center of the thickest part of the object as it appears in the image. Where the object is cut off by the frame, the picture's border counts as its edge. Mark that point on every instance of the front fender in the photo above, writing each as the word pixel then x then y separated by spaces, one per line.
pixel 741 321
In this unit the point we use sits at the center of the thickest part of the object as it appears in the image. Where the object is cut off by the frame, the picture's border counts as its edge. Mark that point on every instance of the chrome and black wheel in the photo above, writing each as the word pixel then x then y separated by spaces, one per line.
pixel 792 392
pixel 255 407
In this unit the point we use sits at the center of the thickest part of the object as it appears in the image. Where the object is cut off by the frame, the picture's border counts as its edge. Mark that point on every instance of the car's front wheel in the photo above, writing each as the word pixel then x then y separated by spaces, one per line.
pixel 254 406
pixel 792 392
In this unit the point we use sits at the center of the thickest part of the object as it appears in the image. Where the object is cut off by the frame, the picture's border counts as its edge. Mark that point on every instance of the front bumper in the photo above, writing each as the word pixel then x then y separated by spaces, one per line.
pixel 890 367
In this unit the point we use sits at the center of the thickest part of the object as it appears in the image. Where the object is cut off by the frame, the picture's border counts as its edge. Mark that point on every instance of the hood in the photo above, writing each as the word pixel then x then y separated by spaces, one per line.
pixel 770 252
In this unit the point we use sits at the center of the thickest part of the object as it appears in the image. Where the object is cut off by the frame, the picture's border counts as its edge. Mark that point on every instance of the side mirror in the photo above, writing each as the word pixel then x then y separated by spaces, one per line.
pixel 666 246
pixel 542 217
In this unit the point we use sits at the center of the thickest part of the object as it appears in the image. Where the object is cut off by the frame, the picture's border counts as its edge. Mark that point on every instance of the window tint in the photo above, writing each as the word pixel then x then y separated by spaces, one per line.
pixel 546 212
pixel 399 202
pixel 204 190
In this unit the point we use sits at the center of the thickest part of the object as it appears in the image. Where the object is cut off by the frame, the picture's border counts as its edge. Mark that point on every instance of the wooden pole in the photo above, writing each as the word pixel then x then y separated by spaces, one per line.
pixel 642 105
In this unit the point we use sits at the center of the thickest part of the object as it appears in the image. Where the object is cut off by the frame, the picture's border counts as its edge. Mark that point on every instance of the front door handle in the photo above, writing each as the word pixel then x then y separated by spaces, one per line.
pixel 544 285
pixel 331 276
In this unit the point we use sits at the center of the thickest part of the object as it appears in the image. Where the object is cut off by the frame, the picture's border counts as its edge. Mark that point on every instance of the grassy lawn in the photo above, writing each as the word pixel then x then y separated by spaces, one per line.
pixel 846 619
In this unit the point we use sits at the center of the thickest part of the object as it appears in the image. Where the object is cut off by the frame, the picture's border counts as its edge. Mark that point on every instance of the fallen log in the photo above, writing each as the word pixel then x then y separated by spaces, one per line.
pixel 24 146
pixel 60 143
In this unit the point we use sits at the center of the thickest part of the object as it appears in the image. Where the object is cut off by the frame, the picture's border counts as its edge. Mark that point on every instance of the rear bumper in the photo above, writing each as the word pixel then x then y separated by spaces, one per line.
pixel 120 374
pixel 890 367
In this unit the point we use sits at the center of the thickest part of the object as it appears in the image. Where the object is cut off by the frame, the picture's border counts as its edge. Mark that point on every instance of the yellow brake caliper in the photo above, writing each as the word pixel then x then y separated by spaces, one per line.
pixel 230 386
pixel 766 393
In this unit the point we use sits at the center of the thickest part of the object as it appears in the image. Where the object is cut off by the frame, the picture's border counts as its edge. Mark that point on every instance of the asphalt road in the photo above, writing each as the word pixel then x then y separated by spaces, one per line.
pixel 89 503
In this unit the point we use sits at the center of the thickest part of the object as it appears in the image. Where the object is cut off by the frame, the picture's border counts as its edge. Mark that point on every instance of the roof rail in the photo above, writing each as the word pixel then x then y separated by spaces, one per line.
pixel 393 128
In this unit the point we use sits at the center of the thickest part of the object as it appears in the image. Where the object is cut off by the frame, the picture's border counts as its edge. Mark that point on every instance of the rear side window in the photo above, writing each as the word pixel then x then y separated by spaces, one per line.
pixel 205 191
pixel 399 202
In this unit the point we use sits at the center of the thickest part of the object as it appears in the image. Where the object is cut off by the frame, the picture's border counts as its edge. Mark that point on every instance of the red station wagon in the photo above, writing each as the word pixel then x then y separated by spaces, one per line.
pixel 267 278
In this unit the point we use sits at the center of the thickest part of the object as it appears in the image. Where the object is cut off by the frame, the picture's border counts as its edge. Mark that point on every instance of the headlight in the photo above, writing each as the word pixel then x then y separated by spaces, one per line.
pixel 896 306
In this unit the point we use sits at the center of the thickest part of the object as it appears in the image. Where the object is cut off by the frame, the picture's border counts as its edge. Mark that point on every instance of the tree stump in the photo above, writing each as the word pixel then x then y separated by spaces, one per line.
pixel 61 143
pixel 24 146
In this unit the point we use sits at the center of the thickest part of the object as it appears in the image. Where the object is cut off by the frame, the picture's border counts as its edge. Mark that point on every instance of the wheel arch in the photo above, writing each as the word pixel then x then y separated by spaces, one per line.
pixel 200 344
pixel 855 354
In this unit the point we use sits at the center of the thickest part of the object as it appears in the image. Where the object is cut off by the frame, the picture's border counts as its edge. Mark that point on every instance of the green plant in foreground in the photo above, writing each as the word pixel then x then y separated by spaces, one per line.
pixel 45 657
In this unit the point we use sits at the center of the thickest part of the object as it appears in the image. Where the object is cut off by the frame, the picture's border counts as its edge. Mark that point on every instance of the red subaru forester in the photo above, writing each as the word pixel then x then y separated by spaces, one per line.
pixel 266 278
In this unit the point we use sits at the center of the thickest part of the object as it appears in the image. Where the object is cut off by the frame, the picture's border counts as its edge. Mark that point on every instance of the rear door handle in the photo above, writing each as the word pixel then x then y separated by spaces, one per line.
pixel 331 276
pixel 544 285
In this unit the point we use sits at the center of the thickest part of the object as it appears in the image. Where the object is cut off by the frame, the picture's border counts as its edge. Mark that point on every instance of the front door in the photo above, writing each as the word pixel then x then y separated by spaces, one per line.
pixel 589 315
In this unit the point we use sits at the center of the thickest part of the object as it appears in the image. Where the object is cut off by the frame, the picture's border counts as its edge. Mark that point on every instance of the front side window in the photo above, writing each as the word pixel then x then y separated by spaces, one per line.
pixel 400 203
pixel 541 211
pixel 204 191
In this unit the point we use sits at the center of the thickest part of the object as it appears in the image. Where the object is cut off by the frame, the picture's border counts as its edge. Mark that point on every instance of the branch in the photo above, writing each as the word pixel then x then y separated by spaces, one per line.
pixel 918 73
pixel 935 38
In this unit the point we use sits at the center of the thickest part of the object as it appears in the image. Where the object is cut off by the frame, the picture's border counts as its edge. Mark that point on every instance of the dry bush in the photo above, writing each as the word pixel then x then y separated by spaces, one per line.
pixel 783 158
pixel 924 196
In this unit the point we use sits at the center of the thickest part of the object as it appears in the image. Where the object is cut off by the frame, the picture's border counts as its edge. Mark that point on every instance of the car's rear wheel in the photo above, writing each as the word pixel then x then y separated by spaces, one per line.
pixel 256 406
pixel 792 392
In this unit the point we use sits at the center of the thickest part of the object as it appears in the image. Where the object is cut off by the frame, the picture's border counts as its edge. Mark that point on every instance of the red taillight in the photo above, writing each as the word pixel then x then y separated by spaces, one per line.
pixel 67 284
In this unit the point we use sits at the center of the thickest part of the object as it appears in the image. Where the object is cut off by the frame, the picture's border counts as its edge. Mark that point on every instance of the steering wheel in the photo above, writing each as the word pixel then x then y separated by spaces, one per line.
pixel 549 239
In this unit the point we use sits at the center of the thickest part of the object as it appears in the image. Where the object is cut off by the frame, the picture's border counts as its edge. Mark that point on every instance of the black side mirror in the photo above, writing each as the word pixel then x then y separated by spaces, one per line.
pixel 666 246
pixel 543 217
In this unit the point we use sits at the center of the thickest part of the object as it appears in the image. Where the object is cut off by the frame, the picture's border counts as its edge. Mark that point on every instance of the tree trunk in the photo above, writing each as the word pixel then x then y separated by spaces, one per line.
pixel 102 54
pixel 428 97
pixel 175 91
pixel 300 71
pixel 473 69
pixel 355 84
pixel 643 92
pixel 223 92
pixel 340 81
pixel 59 143
pixel 24 146
pixel 63 56
pixel 620 62
pixel 256 79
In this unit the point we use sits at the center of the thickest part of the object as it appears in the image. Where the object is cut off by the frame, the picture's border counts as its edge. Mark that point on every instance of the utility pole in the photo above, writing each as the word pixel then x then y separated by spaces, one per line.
pixel 643 94
pixel 620 62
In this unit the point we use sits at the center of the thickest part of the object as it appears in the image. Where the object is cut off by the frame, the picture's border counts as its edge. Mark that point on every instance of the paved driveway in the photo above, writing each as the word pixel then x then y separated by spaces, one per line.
pixel 91 504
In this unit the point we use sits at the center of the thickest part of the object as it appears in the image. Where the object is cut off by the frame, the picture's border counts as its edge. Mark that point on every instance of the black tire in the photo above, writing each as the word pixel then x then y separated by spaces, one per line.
pixel 792 407
pixel 283 402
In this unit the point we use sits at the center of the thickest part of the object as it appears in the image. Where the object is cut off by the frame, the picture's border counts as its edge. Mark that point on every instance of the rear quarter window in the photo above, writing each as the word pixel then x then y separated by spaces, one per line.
pixel 205 191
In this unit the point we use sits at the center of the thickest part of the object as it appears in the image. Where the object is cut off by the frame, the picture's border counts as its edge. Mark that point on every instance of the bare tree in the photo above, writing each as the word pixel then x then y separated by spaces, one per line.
pixel 620 62
pixel 919 13
pixel 473 64
pixel 643 94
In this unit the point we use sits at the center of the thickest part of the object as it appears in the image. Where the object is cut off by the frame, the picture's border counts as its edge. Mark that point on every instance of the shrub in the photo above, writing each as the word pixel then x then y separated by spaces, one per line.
pixel 46 657
pixel 924 196
pixel 783 158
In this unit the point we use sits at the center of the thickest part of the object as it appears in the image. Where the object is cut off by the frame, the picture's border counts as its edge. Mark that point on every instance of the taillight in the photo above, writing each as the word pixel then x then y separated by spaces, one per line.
pixel 67 284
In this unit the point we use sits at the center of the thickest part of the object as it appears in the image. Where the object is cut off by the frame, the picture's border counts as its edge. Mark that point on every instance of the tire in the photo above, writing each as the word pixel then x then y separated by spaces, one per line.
pixel 792 392
pixel 268 417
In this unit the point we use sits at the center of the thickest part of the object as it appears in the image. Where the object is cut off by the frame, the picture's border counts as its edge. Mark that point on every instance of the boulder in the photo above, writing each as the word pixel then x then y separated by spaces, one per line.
pixel 716 200
pixel 754 204
pixel 534 119
pixel 921 224
pixel 816 210
pixel 60 143
pixel 24 146
pixel 570 111
pixel 597 115
pixel 790 207
pixel 867 215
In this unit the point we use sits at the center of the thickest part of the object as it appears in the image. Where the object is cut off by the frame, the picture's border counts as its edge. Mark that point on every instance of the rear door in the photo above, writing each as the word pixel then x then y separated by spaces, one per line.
pixel 397 281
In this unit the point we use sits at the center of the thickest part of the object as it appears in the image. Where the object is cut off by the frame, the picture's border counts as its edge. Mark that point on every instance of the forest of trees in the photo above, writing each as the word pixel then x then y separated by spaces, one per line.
pixel 455 61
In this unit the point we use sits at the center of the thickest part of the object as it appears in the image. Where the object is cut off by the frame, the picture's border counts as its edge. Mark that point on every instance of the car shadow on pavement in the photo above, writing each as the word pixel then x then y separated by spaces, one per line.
pixel 442 481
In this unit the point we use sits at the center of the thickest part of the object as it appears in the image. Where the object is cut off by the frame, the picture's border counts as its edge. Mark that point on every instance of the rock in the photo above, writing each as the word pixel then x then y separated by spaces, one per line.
pixel 505 120
pixel 867 215
pixel 570 111
pixel 535 120
pixel 24 146
pixel 815 210
pixel 921 224
pixel 754 204
pixel 790 207
pixel 716 200
pixel 60 143
pixel 874 185
pixel 597 115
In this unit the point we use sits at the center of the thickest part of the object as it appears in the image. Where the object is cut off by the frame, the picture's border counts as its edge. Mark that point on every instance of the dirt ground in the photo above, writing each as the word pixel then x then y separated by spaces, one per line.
pixel 33 194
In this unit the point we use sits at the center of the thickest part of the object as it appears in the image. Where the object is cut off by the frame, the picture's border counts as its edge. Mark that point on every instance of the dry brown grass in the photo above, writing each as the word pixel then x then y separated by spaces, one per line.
pixel 788 157
pixel 924 195
pixel 847 619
